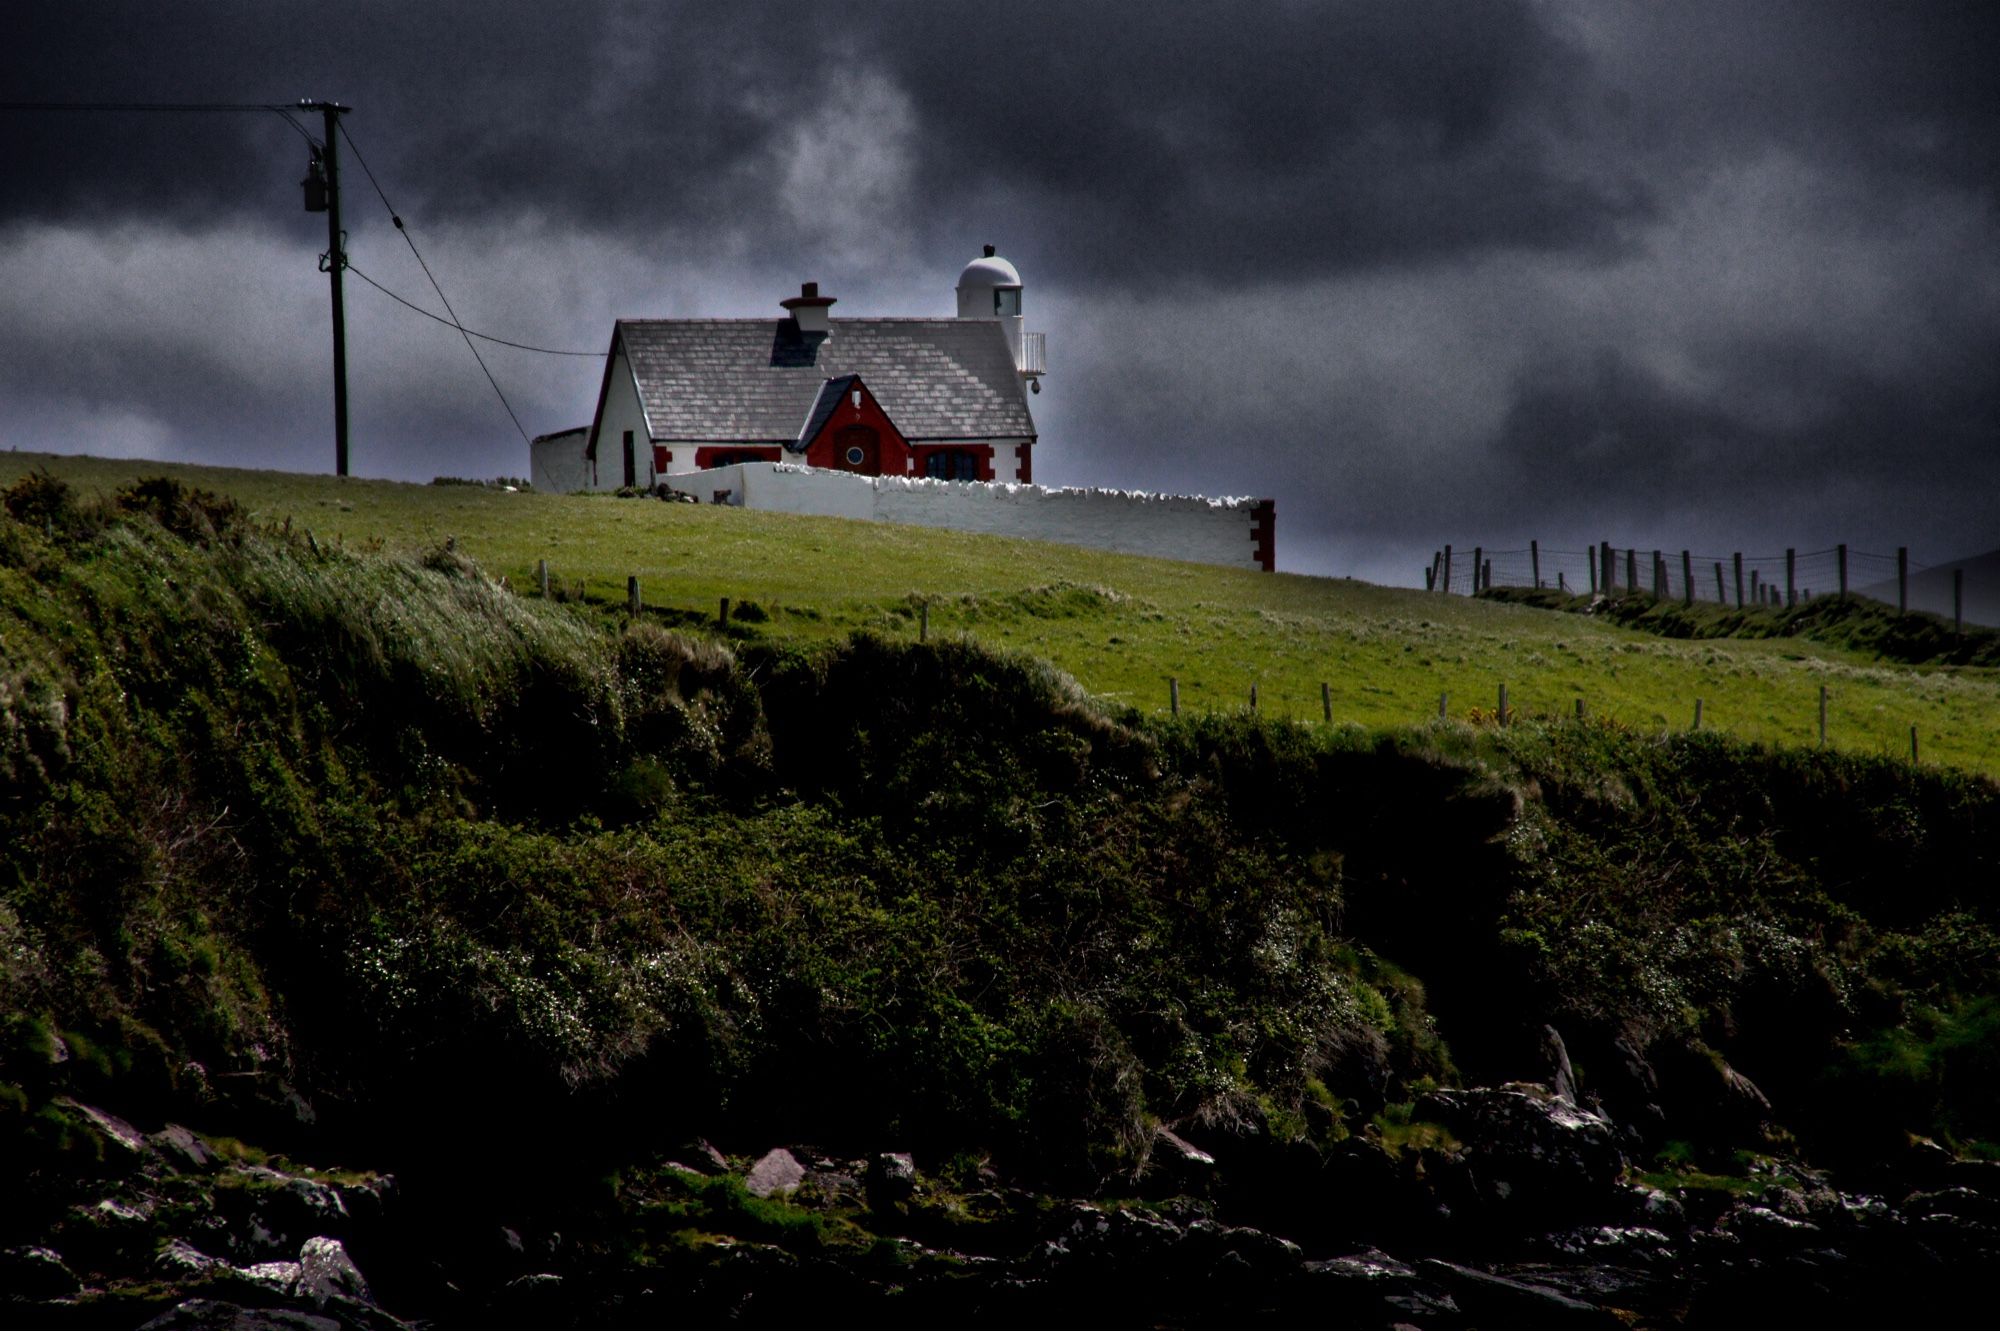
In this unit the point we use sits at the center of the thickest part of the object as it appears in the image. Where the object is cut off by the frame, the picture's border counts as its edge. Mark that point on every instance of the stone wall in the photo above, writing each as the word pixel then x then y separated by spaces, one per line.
pixel 1232 531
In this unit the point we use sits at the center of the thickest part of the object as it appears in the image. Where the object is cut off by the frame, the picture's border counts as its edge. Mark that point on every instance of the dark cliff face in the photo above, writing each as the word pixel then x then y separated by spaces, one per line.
pixel 354 859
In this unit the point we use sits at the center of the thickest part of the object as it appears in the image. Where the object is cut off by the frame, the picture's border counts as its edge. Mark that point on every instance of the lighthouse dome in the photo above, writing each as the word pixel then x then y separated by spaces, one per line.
pixel 989 271
pixel 989 287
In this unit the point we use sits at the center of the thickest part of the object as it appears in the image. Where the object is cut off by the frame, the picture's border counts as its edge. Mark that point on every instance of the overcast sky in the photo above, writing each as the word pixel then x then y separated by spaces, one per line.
pixel 1721 275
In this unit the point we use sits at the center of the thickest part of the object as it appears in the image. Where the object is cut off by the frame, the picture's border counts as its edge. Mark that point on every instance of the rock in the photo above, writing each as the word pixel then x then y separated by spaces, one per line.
pixel 1658 1209
pixel 178 1260
pixel 1370 1288
pixel 1633 1088
pixel 702 1157
pixel 1176 1165
pixel 1965 1204
pixel 1744 1093
pixel 279 1276
pixel 327 1273
pixel 1626 1245
pixel 275 1210
pixel 1763 1228
pixel 1928 1162
pixel 776 1172
pixel 114 1213
pixel 1262 1253
pixel 1610 1279
pixel 1180 1149
pixel 1528 1154
pixel 1490 1300
pixel 892 1178
pixel 224 1315
pixel 36 1273
pixel 182 1148
pixel 1980 1176
pixel 368 1200
pixel 535 1282
pixel 1555 1062
pixel 112 1127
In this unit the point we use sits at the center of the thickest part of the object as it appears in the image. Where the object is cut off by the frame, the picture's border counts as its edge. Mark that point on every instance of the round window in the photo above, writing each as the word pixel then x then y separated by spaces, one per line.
pixel 855 457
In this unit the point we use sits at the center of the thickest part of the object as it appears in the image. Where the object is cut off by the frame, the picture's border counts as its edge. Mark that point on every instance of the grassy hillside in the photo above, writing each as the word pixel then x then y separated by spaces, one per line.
pixel 1122 625
pixel 360 854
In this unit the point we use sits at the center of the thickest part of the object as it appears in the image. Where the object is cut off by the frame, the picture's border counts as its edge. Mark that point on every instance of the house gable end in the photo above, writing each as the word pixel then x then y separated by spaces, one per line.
pixel 848 430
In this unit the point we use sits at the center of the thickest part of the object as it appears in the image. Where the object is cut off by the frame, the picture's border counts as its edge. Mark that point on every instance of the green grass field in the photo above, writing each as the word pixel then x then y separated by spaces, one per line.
pixel 1123 624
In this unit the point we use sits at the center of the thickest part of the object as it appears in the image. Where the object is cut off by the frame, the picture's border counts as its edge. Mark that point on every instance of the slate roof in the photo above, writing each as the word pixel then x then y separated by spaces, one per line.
pixel 825 404
pixel 756 379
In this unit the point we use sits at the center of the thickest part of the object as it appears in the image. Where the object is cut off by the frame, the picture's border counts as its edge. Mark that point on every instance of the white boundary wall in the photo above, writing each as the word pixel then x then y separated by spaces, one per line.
pixel 1179 527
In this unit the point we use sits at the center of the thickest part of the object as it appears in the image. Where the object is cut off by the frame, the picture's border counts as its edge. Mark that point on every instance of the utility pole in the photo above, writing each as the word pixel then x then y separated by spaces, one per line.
pixel 332 263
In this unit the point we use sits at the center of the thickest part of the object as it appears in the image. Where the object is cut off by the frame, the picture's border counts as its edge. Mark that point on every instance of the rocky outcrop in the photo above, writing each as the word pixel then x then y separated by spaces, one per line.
pixel 174 1232
pixel 1528 1153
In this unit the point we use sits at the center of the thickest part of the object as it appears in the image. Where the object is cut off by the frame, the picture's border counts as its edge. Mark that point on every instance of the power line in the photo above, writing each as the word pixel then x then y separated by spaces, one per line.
pixel 456 323
pixel 283 111
pixel 143 106
pixel 483 337
pixel 336 257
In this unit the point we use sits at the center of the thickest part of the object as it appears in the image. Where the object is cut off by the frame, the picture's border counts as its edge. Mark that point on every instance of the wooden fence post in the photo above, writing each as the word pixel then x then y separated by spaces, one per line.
pixel 1631 569
pixel 924 623
pixel 1903 580
pixel 1590 556
pixel 1842 548
pixel 1253 698
pixel 542 576
pixel 1822 714
pixel 1791 576
pixel 1721 591
pixel 1173 696
pixel 1739 580
pixel 1444 579
pixel 1697 714
pixel 1913 746
pixel 1687 579
pixel 722 616
pixel 1444 702
pixel 1756 589
pixel 1326 700
pixel 1535 562
pixel 1478 563
pixel 1562 583
pixel 632 594
pixel 1609 567
pixel 1502 713
pixel 1431 576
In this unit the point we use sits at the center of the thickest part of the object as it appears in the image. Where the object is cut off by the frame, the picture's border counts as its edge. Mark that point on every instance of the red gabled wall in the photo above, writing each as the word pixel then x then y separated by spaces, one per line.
pixel 893 451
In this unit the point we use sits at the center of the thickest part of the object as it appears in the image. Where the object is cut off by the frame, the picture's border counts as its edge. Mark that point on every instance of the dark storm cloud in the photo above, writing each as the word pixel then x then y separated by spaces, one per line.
pixel 1217 143
pixel 1422 271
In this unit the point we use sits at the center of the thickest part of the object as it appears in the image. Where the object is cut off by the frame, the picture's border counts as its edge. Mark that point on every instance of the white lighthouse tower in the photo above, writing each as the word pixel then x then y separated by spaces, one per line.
pixel 990 288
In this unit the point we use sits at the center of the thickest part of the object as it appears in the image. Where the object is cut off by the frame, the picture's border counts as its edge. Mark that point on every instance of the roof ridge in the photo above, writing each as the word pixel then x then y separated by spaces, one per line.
pixel 783 319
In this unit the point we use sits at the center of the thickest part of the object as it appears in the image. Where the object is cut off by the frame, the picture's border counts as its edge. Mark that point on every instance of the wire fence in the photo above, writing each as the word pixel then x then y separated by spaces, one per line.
pixel 1785 578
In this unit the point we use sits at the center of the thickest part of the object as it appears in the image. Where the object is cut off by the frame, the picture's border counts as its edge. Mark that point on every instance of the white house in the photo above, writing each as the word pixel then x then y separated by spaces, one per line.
pixel 916 420
pixel 937 397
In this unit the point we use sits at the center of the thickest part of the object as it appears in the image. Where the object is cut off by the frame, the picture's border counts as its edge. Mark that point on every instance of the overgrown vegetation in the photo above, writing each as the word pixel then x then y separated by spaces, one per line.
pixel 280 815
pixel 1856 624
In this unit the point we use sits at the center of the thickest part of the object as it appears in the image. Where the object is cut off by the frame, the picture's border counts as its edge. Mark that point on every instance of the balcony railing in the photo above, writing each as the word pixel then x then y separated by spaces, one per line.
pixel 1033 352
